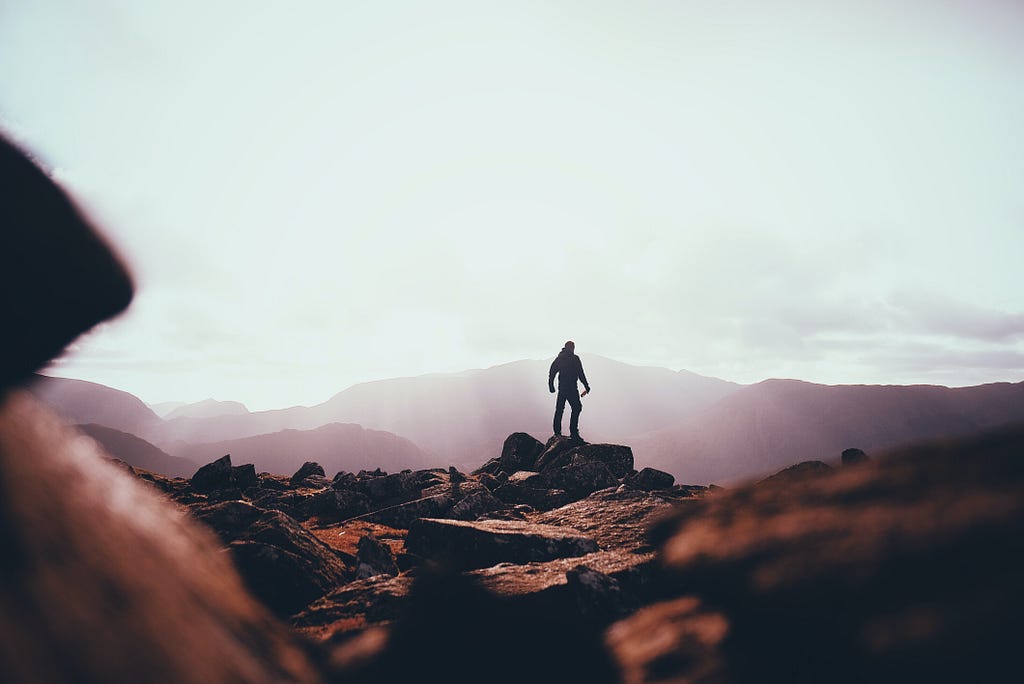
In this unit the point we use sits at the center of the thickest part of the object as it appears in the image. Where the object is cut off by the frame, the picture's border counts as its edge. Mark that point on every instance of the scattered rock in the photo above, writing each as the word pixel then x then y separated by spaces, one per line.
pixel 213 476
pixel 618 458
pixel 308 468
pixel 598 596
pixel 334 505
pixel 553 450
pixel 281 562
pixel 579 478
pixel 650 479
pixel 374 558
pixel 539 498
pixel 853 456
pixel 244 476
pixel 519 452
pixel 475 505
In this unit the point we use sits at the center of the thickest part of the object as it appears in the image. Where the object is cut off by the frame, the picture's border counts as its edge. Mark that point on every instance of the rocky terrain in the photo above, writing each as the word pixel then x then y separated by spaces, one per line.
pixel 876 571
pixel 336 555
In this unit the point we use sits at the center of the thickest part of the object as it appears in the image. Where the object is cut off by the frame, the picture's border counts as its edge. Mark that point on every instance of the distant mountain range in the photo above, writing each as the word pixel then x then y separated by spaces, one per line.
pixel 700 429
pixel 207 408
pixel 764 427
pixel 335 446
pixel 138 452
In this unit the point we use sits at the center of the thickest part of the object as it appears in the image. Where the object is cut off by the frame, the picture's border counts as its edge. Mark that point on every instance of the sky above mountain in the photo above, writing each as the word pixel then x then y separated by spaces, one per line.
pixel 317 194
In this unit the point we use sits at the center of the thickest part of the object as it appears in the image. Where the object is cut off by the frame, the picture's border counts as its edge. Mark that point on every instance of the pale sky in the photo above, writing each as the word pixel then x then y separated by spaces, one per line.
pixel 317 194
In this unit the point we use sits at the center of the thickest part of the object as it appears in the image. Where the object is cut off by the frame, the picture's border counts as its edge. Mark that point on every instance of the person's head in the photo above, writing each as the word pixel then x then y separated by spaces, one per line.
pixel 570 345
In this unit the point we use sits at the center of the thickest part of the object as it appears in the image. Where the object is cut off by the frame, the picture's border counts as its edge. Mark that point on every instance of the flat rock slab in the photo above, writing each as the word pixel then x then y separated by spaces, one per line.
pixel 508 579
pixel 615 519
pixel 481 544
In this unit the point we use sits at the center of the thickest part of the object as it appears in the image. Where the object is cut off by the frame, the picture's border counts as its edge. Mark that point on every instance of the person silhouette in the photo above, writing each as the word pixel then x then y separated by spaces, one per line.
pixel 569 369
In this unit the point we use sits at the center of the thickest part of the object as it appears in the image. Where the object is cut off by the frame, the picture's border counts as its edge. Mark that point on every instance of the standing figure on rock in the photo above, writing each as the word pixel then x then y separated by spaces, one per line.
pixel 569 369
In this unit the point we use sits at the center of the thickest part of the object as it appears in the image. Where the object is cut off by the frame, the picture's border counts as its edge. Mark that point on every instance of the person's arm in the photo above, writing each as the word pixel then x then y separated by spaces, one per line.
pixel 551 376
pixel 583 376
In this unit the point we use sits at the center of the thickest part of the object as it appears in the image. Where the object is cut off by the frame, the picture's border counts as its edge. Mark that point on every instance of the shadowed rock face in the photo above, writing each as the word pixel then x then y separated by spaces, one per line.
pixel 906 569
pixel 488 542
pixel 102 581
pixel 57 278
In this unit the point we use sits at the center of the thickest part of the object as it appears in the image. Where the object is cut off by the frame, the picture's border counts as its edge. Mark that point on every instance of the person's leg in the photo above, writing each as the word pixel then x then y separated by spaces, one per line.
pixel 559 408
pixel 574 417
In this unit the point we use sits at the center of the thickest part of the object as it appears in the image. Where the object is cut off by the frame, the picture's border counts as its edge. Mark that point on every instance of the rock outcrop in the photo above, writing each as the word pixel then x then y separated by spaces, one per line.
pixel 464 545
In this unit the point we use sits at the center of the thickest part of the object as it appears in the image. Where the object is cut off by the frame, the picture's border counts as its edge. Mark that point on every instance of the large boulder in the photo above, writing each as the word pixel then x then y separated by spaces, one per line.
pixel 650 479
pixel 853 457
pixel 220 477
pixel 519 452
pixel 213 476
pixel 281 562
pixel 487 542
pixel 306 470
pixel 579 479
pixel 555 448
pixel 374 557
pixel 333 505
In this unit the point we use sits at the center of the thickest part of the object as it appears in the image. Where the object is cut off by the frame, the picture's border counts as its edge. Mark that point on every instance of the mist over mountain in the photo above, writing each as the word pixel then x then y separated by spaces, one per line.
pixel 84 402
pixel 164 407
pixel 137 452
pixel 702 430
pixel 335 446
pixel 775 423
pixel 207 408
pixel 464 416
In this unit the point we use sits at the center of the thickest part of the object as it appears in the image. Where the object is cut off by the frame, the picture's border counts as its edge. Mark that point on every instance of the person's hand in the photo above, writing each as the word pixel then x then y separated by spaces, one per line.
pixel 585 393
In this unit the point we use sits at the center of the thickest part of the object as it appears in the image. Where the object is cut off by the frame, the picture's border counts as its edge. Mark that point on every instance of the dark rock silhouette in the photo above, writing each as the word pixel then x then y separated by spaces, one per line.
pixel 374 558
pixel 488 542
pixel 800 471
pixel 651 478
pixel 902 569
pixel 853 457
pixel 519 452
pixel 308 468
pixel 221 475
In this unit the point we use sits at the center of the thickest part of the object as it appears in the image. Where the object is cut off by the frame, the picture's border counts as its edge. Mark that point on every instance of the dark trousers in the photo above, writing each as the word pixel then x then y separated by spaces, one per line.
pixel 573 397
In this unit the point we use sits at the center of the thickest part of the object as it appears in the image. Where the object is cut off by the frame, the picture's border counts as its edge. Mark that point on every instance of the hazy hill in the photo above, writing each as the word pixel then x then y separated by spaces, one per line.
pixel 164 407
pixel 207 408
pixel 335 447
pixel 89 402
pixel 136 451
pixel 463 417
pixel 775 423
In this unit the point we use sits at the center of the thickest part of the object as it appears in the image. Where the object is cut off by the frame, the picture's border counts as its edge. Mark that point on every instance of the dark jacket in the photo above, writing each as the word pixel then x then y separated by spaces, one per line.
pixel 568 367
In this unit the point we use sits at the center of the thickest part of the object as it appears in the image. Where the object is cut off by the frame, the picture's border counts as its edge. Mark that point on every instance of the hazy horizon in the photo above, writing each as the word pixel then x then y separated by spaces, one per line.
pixel 324 195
